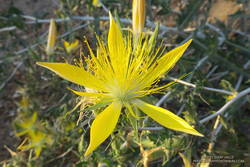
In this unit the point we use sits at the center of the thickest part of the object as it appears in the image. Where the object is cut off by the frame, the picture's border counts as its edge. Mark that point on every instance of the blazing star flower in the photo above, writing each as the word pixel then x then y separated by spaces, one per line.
pixel 122 73
pixel 37 141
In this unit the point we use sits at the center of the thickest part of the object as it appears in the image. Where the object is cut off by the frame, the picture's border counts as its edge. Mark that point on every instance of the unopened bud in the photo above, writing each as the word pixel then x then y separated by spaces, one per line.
pixel 138 16
pixel 51 38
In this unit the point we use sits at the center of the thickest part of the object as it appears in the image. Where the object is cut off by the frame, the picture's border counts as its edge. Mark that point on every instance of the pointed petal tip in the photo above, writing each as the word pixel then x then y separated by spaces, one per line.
pixel 110 17
pixel 193 131
pixel 44 64
pixel 38 63
pixel 111 20
pixel 190 131
pixel 98 132
pixel 196 133
pixel 201 135
pixel 110 14
pixel 166 118
pixel 188 42
pixel 41 63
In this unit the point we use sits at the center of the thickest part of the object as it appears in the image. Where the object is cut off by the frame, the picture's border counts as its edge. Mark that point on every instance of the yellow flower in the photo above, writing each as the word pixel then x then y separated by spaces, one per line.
pixel 37 141
pixel 71 47
pixel 27 125
pixel 138 16
pixel 96 3
pixel 122 74
pixel 51 38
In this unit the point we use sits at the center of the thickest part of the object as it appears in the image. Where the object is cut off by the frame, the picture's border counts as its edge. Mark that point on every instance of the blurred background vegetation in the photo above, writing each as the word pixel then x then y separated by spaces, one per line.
pixel 32 98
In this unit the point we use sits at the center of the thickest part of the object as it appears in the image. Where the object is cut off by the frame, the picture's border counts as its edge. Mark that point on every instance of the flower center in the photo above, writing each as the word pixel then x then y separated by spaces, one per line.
pixel 122 96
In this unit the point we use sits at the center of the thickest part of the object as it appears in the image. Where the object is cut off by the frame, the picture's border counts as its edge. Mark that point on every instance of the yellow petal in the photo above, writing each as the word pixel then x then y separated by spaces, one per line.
pixel 51 37
pixel 166 118
pixel 74 74
pixel 103 126
pixel 116 45
pixel 115 39
pixel 168 60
